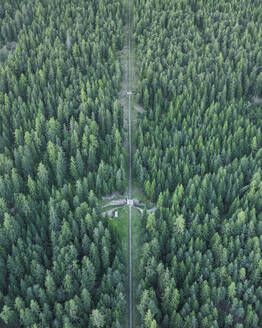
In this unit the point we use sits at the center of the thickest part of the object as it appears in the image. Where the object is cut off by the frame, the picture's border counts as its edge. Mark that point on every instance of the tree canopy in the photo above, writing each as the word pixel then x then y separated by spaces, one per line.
pixel 199 158
pixel 61 148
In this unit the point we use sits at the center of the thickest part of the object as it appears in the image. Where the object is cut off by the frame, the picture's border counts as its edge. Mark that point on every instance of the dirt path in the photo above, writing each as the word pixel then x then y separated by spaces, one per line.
pixel 112 196
pixel 123 57
pixel 116 202
pixel 257 100
pixel 151 210
pixel 135 77
pixel 139 108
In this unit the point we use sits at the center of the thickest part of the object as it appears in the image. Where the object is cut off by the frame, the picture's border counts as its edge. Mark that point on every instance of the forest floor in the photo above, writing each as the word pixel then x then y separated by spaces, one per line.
pixel 257 100
pixel 112 196
pixel 120 230
pixel 138 109
pixel 137 247
pixel 123 58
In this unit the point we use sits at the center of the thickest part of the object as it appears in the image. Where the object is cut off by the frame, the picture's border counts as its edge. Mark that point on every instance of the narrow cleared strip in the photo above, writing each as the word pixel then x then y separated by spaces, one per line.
pixel 130 172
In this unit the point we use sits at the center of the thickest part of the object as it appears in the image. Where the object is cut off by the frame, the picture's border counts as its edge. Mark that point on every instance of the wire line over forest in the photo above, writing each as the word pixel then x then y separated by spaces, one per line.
pixel 130 170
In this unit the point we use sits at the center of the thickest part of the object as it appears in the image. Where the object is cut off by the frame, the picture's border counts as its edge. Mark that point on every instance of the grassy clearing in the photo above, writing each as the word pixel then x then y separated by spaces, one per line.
pixel 137 244
pixel 120 229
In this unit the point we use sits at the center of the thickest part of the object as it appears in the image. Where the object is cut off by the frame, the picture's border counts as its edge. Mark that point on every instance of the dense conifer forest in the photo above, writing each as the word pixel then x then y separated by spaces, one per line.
pixel 198 159
pixel 61 147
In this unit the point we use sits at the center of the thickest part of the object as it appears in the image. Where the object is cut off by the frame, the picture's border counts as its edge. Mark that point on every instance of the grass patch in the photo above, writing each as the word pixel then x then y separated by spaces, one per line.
pixel 120 230
pixel 119 227
pixel 137 244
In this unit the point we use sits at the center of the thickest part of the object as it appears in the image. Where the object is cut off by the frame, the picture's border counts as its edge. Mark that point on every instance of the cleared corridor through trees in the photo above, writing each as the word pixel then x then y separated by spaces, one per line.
pixel 130 171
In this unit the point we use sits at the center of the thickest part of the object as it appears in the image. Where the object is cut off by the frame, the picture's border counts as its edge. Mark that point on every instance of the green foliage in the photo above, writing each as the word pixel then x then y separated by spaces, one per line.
pixel 198 156
pixel 61 148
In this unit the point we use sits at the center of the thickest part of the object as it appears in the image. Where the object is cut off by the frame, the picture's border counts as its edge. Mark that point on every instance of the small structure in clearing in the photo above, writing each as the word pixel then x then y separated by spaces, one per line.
pixel 130 93
pixel 130 202
pixel 116 214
